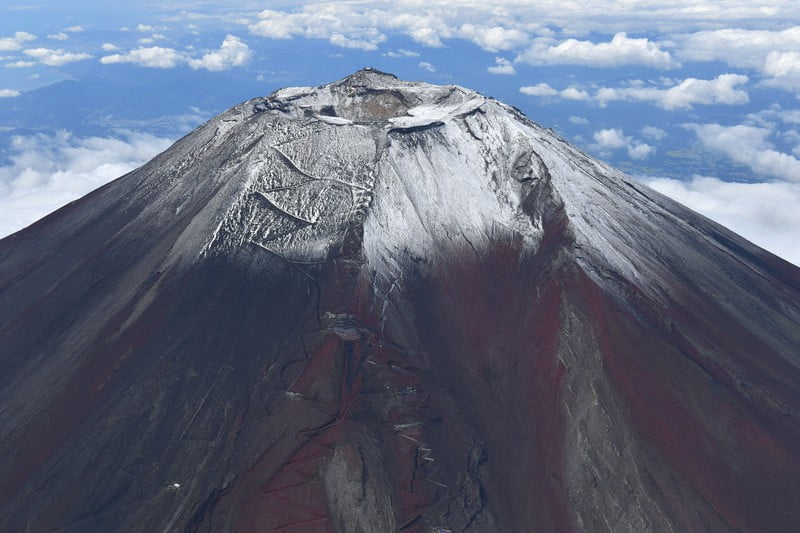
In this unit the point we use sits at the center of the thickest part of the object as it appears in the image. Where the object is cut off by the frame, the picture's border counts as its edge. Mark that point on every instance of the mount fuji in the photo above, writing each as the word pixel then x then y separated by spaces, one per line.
pixel 381 305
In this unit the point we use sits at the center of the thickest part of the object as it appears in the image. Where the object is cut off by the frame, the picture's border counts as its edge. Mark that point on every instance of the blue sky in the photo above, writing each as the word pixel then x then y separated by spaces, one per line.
pixel 700 99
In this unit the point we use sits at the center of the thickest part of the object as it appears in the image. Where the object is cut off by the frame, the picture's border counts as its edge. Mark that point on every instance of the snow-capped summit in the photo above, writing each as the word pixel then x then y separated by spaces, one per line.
pixel 381 305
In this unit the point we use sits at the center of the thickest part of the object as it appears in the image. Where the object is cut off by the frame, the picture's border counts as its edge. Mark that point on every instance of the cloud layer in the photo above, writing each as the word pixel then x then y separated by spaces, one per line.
pixel 725 89
pixel 47 172
pixel 773 54
pixel 513 24
pixel 764 213
pixel 748 145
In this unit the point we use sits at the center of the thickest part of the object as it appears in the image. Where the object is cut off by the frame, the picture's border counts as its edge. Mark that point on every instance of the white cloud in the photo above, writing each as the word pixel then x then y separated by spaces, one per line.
pixel 75 29
pixel 724 89
pixel 109 47
pixel 402 52
pixel 779 64
pixel 277 25
pixel 540 89
pixel 640 151
pixel 61 36
pixel 774 54
pixel 787 116
pixel 427 66
pixel 493 38
pixel 146 28
pixel 573 93
pixel 580 121
pixel 47 172
pixel 153 38
pixel 783 70
pixel 338 39
pixel 792 136
pixel 736 47
pixel 11 44
pixel 654 133
pixel 509 24
pixel 614 139
pixel 366 24
pixel 20 64
pixel 340 24
pixel 152 57
pixel 765 213
pixel 611 138
pixel 502 66
pixel 232 53
pixel 9 93
pixel 620 51
pixel 425 30
pixel 55 58
pixel 545 90
pixel 748 145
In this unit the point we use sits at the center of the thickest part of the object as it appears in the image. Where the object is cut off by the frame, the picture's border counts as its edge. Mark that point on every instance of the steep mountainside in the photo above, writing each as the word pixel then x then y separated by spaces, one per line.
pixel 379 305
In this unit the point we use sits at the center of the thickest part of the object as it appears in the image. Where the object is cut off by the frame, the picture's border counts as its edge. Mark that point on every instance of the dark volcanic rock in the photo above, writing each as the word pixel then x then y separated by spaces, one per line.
pixel 380 305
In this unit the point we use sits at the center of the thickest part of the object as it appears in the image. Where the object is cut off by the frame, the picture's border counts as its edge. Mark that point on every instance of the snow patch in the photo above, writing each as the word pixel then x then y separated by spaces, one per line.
pixel 334 121
pixel 431 113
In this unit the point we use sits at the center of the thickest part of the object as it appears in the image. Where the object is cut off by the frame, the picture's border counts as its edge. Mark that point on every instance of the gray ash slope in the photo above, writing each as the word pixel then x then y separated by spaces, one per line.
pixel 381 305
